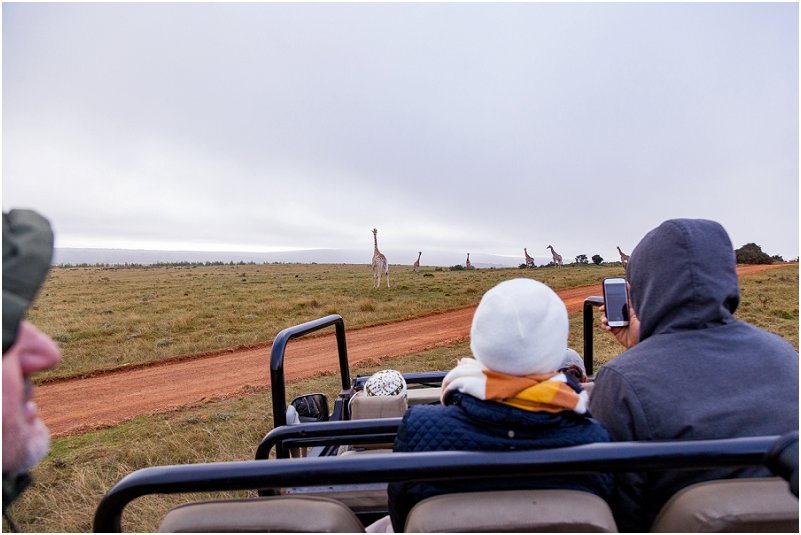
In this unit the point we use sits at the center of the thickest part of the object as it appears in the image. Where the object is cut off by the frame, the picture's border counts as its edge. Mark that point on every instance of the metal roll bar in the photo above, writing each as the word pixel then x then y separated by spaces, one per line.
pixel 277 385
pixel 589 303
pixel 367 431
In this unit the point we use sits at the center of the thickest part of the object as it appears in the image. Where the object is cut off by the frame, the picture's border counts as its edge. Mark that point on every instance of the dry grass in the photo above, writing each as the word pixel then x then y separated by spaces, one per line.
pixel 71 481
pixel 109 317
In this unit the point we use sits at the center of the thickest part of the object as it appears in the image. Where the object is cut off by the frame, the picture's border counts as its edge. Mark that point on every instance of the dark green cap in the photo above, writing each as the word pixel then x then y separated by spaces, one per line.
pixel 27 250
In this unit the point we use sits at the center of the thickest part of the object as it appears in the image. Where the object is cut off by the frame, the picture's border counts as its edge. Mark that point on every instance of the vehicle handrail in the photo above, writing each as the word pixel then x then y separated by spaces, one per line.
pixel 451 465
pixel 277 385
pixel 589 303
pixel 367 431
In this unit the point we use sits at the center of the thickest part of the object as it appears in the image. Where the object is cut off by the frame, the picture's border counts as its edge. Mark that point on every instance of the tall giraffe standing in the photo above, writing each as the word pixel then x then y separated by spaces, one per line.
pixel 467 263
pixel 417 262
pixel 379 263
pixel 624 258
pixel 557 258
pixel 529 260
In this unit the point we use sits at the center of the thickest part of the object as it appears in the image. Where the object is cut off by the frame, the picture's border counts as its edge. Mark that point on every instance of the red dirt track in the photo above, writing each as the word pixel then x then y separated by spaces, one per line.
pixel 77 405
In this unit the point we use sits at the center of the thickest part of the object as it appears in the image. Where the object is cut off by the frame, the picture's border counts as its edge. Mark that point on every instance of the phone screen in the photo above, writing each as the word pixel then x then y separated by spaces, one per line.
pixel 616 301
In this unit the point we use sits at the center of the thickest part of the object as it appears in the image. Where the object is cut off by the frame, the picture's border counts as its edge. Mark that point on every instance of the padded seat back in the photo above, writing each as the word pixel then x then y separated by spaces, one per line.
pixel 288 514
pixel 512 511
pixel 363 407
pixel 731 505
pixel 423 396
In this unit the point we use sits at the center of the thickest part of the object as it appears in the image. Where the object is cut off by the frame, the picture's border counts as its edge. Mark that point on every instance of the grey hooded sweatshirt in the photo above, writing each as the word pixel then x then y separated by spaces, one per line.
pixel 698 372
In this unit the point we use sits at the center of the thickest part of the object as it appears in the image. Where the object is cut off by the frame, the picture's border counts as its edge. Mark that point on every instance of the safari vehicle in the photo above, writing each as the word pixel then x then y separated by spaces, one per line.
pixel 329 471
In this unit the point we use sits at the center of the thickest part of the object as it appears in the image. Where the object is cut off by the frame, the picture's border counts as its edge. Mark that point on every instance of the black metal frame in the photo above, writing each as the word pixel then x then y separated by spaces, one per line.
pixel 368 431
pixel 451 465
pixel 340 412
pixel 339 430
pixel 589 303
pixel 277 384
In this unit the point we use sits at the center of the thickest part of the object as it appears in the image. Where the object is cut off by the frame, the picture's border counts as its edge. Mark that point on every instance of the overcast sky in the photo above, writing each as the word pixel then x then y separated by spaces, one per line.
pixel 478 128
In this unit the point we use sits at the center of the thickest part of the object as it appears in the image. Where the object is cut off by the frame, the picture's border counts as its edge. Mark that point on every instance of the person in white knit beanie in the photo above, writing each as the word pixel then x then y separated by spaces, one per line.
pixel 520 328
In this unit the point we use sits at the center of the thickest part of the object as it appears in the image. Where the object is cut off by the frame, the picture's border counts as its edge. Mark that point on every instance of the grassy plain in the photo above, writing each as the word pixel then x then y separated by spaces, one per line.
pixel 104 318
pixel 80 469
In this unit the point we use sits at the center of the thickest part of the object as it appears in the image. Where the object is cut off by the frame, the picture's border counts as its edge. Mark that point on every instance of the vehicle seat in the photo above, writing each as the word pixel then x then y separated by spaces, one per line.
pixel 423 396
pixel 288 514
pixel 731 505
pixel 363 407
pixel 512 511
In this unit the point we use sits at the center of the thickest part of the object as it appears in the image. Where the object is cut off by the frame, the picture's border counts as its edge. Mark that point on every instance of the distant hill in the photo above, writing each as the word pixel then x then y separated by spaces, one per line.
pixel 65 255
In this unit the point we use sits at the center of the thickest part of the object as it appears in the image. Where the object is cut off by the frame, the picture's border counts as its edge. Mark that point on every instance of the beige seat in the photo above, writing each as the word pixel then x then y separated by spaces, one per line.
pixel 731 505
pixel 423 396
pixel 364 407
pixel 512 511
pixel 286 514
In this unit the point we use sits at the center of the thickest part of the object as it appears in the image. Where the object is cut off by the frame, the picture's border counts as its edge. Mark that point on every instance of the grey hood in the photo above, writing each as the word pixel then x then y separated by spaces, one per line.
pixel 683 276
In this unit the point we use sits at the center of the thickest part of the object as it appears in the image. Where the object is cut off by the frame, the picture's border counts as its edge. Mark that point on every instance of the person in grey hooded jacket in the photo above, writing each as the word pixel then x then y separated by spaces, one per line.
pixel 692 371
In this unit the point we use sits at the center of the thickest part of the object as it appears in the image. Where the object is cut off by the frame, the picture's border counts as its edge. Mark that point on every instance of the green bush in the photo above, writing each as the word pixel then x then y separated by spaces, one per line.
pixel 751 253
pixel 597 259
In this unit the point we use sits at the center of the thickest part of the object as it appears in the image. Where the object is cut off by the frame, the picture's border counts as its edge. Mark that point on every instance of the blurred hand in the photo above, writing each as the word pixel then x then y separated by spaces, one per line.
pixel 628 336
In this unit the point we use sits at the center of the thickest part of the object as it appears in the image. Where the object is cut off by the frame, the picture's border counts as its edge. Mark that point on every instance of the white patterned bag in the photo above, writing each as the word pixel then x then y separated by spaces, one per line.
pixel 385 383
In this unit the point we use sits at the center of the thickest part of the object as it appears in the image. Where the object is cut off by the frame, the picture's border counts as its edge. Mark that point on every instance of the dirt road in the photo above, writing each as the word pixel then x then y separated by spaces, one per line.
pixel 75 406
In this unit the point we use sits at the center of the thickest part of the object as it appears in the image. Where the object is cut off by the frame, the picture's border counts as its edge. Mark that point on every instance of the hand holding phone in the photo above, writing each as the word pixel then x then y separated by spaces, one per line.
pixel 629 334
pixel 616 301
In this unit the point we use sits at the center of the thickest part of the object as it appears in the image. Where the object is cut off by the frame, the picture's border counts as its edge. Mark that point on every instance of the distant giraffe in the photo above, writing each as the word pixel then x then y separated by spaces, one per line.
pixel 417 262
pixel 467 263
pixel 557 258
pixel 529 260
pixel 624 258
pixel 379 263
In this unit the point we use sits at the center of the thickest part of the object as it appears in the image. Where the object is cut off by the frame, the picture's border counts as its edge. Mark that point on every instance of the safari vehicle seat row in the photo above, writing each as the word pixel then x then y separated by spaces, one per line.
pixel 760 505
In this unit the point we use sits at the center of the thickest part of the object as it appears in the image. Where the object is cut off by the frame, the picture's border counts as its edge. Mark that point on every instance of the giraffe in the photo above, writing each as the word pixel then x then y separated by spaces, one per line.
pixel 379 263
pixel 467 263
pixel 624 258
pixel 417 262
pixel 529 260
pixel 557 258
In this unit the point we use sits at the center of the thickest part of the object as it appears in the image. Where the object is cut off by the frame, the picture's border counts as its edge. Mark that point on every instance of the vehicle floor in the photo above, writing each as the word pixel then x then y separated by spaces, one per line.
pixel 74 406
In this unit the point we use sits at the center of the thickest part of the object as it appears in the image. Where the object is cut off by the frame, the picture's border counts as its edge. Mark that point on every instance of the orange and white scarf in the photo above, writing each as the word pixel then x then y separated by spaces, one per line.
pixel 549 392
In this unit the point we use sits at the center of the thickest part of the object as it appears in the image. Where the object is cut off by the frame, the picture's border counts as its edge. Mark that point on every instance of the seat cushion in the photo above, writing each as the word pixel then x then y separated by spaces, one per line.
pixel 262 515
pixel 512 511
pixel 731 505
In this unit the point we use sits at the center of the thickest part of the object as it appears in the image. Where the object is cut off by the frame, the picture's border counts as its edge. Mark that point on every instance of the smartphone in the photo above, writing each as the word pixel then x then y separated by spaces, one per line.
pixel 616 301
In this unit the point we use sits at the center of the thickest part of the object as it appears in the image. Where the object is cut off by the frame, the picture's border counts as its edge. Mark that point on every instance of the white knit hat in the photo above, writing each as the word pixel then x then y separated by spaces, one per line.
pixel 520 328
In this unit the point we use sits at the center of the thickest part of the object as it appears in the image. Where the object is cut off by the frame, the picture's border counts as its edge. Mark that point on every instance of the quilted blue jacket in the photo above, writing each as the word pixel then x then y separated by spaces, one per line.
pixel 468 423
